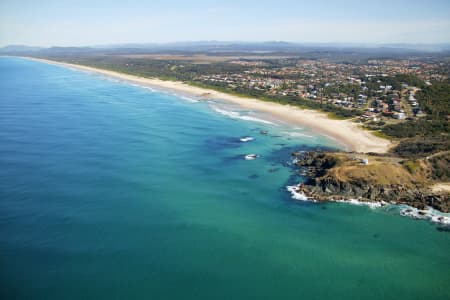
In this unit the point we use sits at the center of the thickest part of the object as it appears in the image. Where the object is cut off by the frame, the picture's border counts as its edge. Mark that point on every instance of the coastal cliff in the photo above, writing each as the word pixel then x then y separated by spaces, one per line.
pixel 370 178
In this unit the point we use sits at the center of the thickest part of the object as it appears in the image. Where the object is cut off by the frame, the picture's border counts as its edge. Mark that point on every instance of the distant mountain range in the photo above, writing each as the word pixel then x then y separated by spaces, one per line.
pixel 19 48
pixel 235 46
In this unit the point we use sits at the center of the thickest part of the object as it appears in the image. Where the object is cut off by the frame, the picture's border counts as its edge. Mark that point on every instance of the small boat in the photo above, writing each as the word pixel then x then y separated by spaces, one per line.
pixel 251 156
pixel 246 139
pixel 264 132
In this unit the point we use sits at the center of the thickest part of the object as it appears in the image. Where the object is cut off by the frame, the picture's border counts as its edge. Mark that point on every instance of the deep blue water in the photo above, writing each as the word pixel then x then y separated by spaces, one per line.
pixel 113 191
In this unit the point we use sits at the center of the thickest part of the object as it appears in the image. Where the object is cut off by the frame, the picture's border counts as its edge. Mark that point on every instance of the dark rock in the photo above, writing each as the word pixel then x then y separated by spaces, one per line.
pixel 322 186
pixel 444 228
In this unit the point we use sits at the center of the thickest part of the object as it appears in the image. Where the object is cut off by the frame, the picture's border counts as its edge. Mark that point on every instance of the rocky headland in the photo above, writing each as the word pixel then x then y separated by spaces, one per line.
pixel 335 176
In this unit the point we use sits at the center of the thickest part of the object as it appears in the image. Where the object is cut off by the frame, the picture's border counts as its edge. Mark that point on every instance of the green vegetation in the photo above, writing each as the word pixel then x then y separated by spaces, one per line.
pixel 380 134
pixel 166 69
pixel 440 166
pixel 352 90
pixel 409 79
pixel 435 100
pixel 416 128
pixel 421 147
pixel 395 81
pixel 412 166
pixel 433 168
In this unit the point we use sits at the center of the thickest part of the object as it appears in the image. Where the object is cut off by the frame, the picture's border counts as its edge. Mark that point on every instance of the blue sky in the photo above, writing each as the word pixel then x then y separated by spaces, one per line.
pixel 91 22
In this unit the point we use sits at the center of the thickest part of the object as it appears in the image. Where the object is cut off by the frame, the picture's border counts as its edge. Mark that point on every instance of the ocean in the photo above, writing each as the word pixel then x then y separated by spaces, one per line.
pixel 110 190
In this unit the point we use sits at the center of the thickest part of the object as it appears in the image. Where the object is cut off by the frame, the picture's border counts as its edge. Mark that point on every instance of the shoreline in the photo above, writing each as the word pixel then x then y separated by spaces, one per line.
pixel 376 182
pixel 346 132
pixel 428 213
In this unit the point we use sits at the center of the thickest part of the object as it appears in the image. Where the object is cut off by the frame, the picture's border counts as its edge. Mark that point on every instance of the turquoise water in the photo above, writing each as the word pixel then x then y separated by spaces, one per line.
pixel 113 191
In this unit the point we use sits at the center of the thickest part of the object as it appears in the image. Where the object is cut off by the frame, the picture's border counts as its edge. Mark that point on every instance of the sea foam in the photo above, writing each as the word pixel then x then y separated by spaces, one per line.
pixel 236 115
pixel 405 210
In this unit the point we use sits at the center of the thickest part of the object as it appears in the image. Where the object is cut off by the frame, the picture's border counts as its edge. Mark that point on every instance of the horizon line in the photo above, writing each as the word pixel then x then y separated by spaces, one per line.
pixel 325 43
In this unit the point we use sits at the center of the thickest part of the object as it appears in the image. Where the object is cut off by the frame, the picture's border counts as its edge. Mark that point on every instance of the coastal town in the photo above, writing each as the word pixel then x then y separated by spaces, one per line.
pixel 383 90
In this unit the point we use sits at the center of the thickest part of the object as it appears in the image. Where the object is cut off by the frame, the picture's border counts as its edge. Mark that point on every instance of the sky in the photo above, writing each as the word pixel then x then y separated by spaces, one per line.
pixel 97 22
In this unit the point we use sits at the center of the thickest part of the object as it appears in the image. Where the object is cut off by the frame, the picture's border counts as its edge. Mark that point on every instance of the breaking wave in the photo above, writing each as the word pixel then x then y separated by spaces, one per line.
pixel 236 115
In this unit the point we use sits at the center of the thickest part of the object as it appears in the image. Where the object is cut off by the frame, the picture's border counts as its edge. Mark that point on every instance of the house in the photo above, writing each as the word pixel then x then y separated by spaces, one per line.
pixel 399 116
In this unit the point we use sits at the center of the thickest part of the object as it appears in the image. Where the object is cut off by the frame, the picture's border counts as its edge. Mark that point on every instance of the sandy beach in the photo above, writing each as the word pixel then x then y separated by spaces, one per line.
pixel 345 131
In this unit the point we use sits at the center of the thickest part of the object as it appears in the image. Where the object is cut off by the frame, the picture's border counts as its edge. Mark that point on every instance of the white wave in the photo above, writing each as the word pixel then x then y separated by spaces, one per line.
pixel 227 113
pixel 251 156
pixel 429 213
pixel 248 118
pixel 363 203
pixel 425 214
pixel 246 139
pixel 236 115
pixel 331 138
pixel 162 91
pixel 188 99
pixel 440 219
pixel 149 88
pixel 298 134
pixel 297 195
pixel 112 79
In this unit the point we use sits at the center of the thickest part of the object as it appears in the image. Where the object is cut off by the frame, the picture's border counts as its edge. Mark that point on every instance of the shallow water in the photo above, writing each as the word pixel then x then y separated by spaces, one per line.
pixel 113 191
